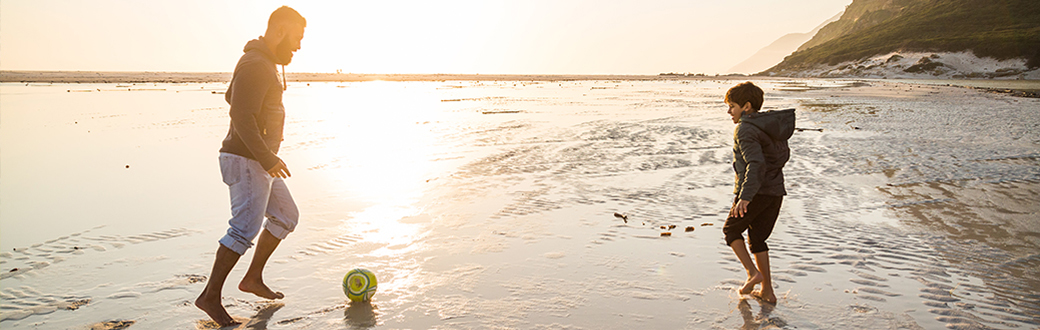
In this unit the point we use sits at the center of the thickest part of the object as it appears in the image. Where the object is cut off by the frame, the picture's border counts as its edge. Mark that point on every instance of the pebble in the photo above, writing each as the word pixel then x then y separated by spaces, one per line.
pixel 666 234
pixel 689 228
pixel 707 224
pixel 622 216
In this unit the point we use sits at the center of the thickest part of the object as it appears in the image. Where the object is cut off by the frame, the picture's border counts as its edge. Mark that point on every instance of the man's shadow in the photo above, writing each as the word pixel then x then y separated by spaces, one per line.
pixel 361 315
pixel 263 316
pixel 257 322
pixel 764 319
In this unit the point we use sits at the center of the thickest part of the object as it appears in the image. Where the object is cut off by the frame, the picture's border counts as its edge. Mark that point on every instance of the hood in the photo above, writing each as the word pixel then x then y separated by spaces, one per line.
pixel 258 45
pixel 778 124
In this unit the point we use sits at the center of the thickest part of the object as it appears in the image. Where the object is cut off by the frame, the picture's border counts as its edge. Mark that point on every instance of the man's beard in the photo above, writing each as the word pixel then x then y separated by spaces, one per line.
pixel 284 52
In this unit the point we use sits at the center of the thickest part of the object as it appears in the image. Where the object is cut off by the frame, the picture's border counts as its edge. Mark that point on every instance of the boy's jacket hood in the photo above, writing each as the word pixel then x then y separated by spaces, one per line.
pixel 778 124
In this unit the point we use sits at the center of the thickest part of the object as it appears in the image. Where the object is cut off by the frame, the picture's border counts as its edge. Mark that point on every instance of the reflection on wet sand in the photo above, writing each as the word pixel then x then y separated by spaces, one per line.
pixel 986 231
pixel 361 315
pixel 763 320
pixel 963 185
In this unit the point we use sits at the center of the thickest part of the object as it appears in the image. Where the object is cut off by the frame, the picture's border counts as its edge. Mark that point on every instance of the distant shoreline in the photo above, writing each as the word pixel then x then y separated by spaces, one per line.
pixel 108 77
pixel 208 77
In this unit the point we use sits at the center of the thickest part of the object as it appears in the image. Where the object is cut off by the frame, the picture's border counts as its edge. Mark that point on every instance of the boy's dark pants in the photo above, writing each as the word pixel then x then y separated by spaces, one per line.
pixel 758 221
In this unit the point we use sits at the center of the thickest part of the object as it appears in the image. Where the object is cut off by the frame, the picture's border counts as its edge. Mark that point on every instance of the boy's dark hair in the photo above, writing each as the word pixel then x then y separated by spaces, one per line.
pixel 283 15
pixel 746 92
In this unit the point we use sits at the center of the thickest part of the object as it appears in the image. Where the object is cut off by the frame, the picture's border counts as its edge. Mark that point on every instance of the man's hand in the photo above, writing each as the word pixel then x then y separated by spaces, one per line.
pixel 279 170
pixel 739 209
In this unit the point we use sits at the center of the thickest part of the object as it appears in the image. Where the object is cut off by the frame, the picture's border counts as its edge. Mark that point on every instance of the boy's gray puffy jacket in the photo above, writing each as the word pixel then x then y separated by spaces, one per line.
pixel 760 152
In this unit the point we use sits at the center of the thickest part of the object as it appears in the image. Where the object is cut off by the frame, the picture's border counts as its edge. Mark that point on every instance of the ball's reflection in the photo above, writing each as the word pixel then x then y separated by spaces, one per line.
pixel 361 315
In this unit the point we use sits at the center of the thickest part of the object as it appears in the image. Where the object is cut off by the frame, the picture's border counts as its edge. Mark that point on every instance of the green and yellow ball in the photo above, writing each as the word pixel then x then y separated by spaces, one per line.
pixel 359 284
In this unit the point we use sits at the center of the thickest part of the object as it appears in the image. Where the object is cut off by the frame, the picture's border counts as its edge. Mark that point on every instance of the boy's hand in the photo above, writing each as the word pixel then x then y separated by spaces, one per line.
pixel 739 209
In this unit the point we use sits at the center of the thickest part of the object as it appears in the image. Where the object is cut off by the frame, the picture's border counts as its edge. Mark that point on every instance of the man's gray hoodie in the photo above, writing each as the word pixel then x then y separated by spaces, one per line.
pixel 760 151
pixel 257 114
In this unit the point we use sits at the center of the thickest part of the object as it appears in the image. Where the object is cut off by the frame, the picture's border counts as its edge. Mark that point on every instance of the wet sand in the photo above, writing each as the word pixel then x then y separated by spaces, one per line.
pixel 915 207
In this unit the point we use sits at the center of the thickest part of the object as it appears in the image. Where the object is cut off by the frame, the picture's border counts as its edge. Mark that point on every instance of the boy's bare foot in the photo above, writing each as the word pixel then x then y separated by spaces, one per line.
pixel 765 295
pixel 215 310
pixel 750 284
pixel 258 288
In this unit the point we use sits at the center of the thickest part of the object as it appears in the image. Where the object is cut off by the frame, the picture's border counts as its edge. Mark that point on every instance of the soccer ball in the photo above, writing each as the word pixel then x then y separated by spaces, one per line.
pixel 359 284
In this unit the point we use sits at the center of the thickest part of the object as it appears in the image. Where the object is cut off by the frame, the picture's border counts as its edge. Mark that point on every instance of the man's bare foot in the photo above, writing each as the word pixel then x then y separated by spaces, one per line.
pixel 215 310
pixel 259 288
pixel 750 284
pixel 766 296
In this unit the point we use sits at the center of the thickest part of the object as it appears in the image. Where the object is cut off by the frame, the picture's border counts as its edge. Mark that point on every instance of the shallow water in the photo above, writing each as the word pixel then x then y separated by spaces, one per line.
pixel 484 205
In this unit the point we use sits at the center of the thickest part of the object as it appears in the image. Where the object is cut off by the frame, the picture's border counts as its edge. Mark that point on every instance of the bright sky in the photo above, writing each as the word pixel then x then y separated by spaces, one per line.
pixel 406 36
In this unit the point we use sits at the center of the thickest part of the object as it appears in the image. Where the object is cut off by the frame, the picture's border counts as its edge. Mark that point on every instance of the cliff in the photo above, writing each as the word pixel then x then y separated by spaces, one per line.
pixel 871 32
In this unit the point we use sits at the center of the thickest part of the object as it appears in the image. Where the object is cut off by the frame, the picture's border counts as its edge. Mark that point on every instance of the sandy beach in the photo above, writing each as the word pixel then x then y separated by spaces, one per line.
pixel 490 203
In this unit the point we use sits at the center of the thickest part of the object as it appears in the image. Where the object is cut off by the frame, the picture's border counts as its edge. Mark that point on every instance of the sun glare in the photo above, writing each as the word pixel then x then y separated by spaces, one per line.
pixel 379 146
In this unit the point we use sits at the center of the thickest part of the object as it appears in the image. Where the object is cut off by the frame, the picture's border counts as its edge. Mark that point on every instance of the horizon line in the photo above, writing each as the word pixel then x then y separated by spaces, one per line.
pixel 63 76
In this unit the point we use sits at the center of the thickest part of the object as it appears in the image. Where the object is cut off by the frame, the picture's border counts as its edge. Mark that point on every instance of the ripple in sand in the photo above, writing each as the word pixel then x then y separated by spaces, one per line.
pixel 947 312
pixel 866 282
pixel 871 276
pixel 874 298
pixel 22 308
pixel 554 255
pixel 808 268
pixel 732 282
pixel 784 278
pixel 936 304
pixel 940 298
pixel 878 291
pixel 840 256
pixel 791 272
pixel 938 290
pixel 963 325
pixel 124 294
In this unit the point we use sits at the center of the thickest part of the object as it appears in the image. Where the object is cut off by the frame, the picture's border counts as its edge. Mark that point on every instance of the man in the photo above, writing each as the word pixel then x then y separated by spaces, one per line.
pixel 250 165
pixel 759 153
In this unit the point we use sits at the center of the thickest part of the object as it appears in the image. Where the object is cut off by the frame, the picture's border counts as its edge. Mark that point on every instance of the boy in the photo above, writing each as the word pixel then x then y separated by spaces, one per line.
pixel 759 154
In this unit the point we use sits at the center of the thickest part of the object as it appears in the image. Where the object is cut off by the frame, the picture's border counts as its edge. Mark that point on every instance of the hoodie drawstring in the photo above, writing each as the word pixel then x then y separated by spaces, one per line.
pixel 285 85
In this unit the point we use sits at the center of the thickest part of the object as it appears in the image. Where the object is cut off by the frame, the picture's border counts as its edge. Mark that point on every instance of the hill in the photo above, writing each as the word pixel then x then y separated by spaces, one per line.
pixel 774 53
pixel 857 16
pixel 1005 31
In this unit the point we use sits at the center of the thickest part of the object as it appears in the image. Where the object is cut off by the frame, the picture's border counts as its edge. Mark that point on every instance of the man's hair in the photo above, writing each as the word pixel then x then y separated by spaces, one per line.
pixel 746 92
pixel 283 15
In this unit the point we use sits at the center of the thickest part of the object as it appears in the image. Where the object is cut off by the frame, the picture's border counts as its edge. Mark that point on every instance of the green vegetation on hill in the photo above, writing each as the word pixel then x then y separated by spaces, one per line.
pixel 859 15
pixel 1001 29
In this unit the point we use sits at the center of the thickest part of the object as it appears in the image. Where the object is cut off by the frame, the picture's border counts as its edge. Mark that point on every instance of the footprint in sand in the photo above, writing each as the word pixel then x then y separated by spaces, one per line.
pixel 112 325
